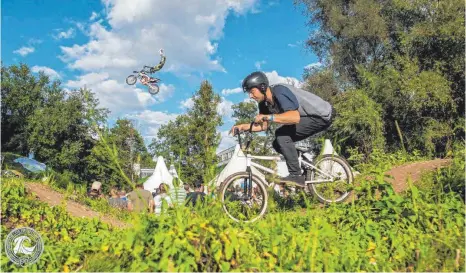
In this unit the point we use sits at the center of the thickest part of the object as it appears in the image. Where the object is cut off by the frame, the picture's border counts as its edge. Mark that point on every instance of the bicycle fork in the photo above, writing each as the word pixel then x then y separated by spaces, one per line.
pixel 248 186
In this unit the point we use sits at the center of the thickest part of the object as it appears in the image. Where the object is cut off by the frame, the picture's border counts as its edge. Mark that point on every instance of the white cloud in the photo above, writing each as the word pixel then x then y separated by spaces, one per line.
pixel 87 79
pixel 94 16
pixel 119 97
pixel 224 108
pixel 153 118
pixel 292 45
pixel 274 78
pixel 149 122
pixel 313 65
pixel 64 34
pixel 226 141
pixel 139 28
pixel 166 91
pixel 47 71
pixel 247 100
pixel 187 103
pixel 33 41
pixel 259 63
pixel 227 92
pixel 25 50
pixel 128 35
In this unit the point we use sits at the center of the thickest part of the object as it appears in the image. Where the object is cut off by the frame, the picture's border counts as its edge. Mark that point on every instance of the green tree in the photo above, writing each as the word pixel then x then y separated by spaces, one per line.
pixel 322 82
pixel 374 45
pixel 125 141
pixel 22 94
pixel 39 116
pixel 359 122
pixel 60 132
pixel 244 113
pixel 191 140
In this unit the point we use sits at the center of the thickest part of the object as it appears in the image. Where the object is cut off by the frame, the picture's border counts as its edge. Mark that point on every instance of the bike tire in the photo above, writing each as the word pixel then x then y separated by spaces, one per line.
pixel 131 80
pixel 345 167
pixel 229 181
pixel 153 89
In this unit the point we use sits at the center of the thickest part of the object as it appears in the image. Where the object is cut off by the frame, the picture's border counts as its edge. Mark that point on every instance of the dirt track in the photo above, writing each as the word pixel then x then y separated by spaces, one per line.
pixel 400 175
pixel 414 171
pixel 53 198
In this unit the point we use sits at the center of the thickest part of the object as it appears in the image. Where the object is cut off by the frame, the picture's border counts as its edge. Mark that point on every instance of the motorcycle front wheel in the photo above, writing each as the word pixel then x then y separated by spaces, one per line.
pixel 153 88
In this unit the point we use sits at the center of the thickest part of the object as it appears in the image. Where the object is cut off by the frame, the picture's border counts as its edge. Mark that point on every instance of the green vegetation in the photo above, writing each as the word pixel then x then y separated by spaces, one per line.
pixel 394 70
pixel 420 230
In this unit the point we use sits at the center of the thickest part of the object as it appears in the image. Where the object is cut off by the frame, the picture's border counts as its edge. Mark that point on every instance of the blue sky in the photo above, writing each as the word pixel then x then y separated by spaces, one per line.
pixel 98 43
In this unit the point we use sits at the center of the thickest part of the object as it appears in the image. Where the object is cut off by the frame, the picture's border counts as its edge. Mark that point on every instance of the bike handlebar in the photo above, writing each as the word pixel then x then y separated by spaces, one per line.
pixel 237 133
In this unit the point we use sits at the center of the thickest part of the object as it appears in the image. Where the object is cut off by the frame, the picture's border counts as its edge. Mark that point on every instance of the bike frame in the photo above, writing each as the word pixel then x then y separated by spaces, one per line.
pixel 249 163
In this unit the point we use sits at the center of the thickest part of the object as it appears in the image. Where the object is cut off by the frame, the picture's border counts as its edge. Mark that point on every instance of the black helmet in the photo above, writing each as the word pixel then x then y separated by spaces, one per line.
pixel 256 79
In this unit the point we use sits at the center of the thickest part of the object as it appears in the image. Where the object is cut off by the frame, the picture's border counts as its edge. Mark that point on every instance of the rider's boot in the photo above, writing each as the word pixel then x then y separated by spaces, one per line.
pixel 295 180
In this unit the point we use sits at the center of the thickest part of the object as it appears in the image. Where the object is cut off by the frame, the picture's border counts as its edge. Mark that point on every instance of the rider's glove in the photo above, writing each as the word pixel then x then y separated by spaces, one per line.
pixel 161 52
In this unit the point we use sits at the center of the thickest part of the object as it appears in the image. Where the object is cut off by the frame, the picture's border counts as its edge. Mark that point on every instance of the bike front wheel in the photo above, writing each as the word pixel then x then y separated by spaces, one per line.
pixel 153 88
pixel 335 189
pixel 238 202
pixel 131 79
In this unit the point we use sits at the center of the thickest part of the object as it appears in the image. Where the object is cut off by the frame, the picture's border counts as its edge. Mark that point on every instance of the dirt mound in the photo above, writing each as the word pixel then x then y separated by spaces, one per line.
pixel 415 170
pixel 53 198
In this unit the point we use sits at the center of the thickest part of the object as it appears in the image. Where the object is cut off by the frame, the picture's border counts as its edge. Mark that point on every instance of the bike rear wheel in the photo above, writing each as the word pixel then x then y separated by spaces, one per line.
pixel 131 79
pixel 237 203
pixel 337 189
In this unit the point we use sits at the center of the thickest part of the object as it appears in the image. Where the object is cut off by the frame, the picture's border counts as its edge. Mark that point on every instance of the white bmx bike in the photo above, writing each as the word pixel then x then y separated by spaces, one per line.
pixel 244 195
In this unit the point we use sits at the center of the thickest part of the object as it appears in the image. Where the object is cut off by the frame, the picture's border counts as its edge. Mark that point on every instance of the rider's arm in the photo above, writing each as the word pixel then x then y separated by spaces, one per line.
pixel 256 128
pixel 287 118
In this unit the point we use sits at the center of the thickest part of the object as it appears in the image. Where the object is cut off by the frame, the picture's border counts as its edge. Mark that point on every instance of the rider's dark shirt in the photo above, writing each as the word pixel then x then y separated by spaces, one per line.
pixel 284 100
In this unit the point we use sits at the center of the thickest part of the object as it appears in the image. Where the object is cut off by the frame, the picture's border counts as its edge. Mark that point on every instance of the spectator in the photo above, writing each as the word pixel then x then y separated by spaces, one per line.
pixel 187 188
pixel 178 193
pixel 123 195
pixel 140 200
pixel 115 200
pixel 192 197
pixel 162 198
pixel 96 190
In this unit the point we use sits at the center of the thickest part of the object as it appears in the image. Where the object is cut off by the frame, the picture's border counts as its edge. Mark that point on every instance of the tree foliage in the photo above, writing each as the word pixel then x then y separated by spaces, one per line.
pixel 126 142
pixel 40 117
pixel 190 142
pixel 406 56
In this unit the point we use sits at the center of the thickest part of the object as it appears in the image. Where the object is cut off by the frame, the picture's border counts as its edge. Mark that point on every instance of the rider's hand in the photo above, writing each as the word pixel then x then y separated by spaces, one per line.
pixel 161 52
pixel 239 127
pixel 259 118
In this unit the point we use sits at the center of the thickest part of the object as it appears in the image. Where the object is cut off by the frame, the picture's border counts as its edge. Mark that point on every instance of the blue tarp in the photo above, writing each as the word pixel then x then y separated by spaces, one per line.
pixel 31 164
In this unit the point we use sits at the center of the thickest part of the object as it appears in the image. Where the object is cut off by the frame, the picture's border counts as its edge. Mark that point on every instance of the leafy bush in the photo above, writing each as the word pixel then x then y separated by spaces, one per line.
pixel 358 122
pixel 378 231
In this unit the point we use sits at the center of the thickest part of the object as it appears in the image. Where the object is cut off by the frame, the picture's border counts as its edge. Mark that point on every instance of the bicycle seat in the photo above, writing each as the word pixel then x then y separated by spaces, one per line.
pixel 135 71
pixel 302 149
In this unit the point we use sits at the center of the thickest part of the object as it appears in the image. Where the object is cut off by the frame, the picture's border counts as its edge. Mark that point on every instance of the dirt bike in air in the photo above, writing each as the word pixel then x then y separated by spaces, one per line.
pixel 151 82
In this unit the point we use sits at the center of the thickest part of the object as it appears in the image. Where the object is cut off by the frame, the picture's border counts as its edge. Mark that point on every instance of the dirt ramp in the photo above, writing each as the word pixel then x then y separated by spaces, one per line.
pixel 53 198
pixel 414 171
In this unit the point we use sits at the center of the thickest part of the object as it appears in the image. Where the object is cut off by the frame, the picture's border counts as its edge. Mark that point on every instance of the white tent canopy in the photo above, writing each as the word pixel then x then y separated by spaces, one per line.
pixel 174 173
pixel 160 175
pixel 236 164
